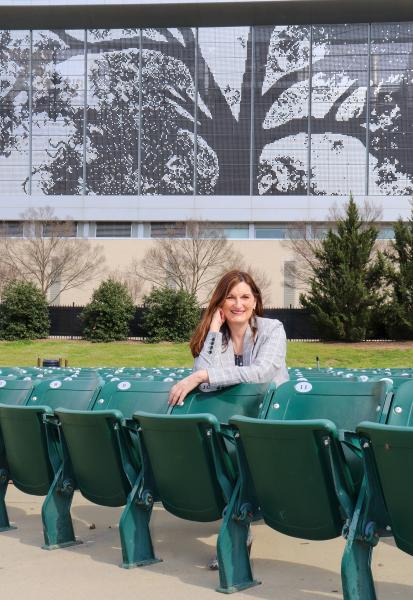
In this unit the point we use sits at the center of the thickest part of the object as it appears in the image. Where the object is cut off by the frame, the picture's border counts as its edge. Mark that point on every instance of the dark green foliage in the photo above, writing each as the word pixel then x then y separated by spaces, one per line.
pixel 346 281
pixel 398 313
pixel 107 316
pixel 170 315
pixel 24 313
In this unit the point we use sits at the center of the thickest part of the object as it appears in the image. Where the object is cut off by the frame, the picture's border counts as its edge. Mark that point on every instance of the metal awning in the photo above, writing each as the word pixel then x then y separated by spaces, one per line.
pixel 188 13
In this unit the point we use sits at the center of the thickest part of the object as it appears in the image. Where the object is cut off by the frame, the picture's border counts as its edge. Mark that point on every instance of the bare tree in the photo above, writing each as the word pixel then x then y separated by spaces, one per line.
pixel 132 283
pixel 304 243
pixel 193 263
pixel 49 255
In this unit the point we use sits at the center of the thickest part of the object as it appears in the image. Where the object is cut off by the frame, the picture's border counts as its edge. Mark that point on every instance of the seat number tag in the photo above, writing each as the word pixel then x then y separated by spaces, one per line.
pixel 303 387
pixel 207 387
pixel 2 383
pixel 55 384
pixel 123 385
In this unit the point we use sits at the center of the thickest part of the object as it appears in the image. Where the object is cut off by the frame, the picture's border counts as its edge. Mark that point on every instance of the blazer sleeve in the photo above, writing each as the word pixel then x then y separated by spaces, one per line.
pixel 210 353
pixel 268 362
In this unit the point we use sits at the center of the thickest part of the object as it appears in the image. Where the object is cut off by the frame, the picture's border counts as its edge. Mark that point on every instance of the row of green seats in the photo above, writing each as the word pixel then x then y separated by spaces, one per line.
pixel 200 468
pixel 53 449
pixel 314 495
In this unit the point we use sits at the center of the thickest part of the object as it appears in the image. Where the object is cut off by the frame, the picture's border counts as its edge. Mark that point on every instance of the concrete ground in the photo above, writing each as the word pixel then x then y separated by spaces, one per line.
pixel 290 569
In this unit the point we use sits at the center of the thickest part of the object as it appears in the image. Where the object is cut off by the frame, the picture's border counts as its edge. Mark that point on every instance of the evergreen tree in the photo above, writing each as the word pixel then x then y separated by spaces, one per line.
pixel 399 276
pixel 24 312
pixel 107 316
pixel 346 281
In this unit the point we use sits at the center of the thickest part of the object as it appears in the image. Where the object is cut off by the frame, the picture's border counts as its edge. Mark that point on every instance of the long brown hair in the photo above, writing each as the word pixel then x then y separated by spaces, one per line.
pixel 224 286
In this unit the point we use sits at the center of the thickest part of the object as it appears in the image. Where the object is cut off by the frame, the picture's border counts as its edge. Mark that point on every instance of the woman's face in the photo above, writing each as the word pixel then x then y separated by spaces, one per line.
pixel 239 304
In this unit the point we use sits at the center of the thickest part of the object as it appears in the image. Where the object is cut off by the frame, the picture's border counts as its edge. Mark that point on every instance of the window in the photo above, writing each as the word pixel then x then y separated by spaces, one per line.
pixel 234 231
pixel 11 229
pixel 320 230
pixel 271 232
pixel 386 232
pixel 59 229
pixel 105 229
pixel 168 230
pixel 278 231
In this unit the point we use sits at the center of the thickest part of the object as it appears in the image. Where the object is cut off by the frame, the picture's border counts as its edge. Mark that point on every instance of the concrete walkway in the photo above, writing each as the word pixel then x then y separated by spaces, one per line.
pixel 290 569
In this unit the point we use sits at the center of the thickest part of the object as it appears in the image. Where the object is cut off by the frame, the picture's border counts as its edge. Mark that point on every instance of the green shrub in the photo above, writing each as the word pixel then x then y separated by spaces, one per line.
pixel 24 313
pixel 107 316
pixel 170 315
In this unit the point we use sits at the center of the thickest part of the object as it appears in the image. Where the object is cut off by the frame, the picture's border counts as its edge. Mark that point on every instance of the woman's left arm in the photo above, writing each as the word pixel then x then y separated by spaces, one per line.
pixel 181 389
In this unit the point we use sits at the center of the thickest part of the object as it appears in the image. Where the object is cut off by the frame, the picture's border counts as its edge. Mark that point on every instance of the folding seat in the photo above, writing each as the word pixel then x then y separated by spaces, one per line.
pixel 295 474
pixel 34 451
pixel 385 500
pixel 187 464
pixel 245 399
pixel 12 392
pixel 15 391
pixel 311 492
pixel 103 453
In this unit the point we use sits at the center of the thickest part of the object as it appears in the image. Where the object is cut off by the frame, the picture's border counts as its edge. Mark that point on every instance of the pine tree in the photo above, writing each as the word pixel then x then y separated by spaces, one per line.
pixel 399 276
pixel 347 279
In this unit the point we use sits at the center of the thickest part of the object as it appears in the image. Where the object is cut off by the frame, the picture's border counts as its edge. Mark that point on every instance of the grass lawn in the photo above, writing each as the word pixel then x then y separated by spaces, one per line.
pixel 137 354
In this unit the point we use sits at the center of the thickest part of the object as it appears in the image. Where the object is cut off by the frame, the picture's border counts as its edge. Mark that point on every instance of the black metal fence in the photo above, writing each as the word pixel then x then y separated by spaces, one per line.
pixel 66 322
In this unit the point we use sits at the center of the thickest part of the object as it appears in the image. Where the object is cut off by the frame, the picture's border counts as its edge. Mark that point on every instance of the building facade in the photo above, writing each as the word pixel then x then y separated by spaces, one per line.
pixel 251 129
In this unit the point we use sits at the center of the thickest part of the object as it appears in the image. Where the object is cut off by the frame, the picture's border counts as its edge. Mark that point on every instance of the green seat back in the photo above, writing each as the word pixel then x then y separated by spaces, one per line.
pixel 15 391
pixel 79 394
pixel 180 456
pixel 393 454
pixel 344 402
pixel 290 468
pixel 401 409
pixel 130 395
pixel 91 439
pixel 26 448
pixel 243 399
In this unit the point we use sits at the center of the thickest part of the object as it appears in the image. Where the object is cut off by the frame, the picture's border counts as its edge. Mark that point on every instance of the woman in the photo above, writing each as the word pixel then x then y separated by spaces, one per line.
pixel 233 342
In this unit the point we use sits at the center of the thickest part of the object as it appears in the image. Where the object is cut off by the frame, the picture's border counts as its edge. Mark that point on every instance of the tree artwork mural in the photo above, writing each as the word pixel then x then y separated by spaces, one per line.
pixel 225 111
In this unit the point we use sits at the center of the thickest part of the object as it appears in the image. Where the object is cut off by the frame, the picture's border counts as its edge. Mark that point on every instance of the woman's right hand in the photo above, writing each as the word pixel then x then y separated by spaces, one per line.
pixel 218 320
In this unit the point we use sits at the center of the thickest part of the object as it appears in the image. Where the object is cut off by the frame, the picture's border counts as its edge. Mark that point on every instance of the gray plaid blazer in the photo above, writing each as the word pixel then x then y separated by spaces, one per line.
pixel 263 358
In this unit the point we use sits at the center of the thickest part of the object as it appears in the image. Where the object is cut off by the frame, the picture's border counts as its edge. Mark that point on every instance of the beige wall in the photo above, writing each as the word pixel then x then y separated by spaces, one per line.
pixel 267 256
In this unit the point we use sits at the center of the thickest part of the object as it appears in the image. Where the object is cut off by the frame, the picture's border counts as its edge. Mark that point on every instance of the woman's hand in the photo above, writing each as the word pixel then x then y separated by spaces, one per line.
pixel 217 321
pixel 181 389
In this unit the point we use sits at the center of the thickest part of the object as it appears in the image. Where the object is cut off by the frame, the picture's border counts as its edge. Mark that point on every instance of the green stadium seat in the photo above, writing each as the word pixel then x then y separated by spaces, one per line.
pixel 245 399
pixel 385 499
pixel 33 453
pixel 106 461
pixel 187 458
pixel 193 474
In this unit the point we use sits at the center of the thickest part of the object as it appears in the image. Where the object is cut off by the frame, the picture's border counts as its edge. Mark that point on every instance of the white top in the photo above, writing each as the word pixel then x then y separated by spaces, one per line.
pixel 263 358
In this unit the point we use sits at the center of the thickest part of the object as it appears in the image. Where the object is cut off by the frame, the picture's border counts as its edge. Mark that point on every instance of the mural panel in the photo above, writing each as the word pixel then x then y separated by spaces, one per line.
pixel 168 110
pixel 58 68
pixel 391 109
pixel 338 109
pixel 281 103
pixel 14 110
pixel 112 130
pixel 224 110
